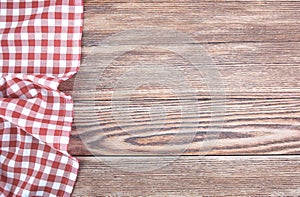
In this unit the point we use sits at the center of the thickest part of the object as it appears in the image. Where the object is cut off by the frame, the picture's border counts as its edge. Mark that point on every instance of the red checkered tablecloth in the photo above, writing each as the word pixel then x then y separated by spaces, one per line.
pixel 40 47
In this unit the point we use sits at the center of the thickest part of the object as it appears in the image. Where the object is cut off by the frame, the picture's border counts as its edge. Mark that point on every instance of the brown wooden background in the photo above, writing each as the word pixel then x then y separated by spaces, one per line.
pixel 256 47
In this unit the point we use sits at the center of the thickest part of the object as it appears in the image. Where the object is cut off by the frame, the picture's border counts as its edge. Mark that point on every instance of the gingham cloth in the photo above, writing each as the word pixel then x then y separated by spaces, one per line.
pixel 40 47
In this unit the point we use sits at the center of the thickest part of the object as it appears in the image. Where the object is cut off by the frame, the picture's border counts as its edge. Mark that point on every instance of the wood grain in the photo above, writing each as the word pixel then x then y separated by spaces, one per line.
pixel 190 176
pixel 254 46
pixel 208 21
pixel 250 127
pixel 253 70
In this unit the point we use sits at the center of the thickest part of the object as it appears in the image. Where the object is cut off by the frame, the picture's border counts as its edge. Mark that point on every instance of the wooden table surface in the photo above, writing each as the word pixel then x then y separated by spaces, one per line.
pixel 255 46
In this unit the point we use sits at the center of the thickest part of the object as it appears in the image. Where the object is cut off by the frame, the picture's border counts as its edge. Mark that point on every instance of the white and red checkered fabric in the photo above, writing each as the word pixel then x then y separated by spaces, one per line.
pixel 40 47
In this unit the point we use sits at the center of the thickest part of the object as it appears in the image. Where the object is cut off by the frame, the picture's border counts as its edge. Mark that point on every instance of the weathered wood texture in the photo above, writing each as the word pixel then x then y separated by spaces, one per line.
pixel 247 70
pixel 250 127
pixel 255 47
pixel 191 176
pixel 208 21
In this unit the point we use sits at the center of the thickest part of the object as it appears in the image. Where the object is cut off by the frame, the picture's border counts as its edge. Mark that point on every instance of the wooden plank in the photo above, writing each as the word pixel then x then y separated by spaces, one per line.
pixel 189 176
pixel 262 126
pixel 207 21
pixel 253 70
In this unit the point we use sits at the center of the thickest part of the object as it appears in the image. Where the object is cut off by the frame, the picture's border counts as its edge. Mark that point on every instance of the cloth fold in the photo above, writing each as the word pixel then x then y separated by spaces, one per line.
pixel 40 45
pixel 29 103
